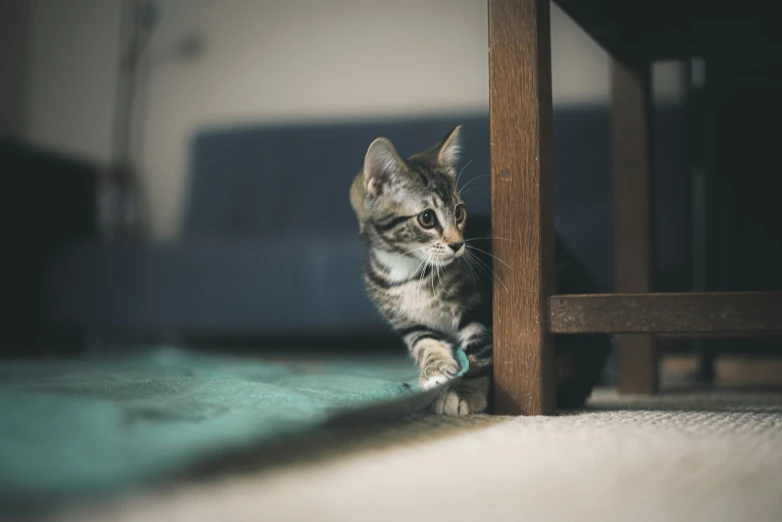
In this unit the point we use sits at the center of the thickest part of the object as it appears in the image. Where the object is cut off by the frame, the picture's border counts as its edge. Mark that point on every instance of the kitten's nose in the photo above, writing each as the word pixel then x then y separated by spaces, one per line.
pixel 456 246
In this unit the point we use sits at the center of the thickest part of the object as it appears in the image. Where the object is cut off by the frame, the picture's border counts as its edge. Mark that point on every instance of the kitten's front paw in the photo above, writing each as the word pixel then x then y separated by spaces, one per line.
pixel 466 397
pixel 433 382
pixel 438 372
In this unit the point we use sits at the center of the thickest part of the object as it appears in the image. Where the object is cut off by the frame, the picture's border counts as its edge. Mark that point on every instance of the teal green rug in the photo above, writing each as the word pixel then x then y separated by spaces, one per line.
pixel 80 428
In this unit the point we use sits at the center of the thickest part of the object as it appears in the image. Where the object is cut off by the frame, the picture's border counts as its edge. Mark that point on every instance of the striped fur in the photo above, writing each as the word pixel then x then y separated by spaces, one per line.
pixel 427 281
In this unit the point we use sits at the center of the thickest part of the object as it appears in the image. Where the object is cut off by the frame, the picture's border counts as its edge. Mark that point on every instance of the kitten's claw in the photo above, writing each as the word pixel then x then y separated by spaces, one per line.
pixel 467 397
pixel 438 373
pixel 434 382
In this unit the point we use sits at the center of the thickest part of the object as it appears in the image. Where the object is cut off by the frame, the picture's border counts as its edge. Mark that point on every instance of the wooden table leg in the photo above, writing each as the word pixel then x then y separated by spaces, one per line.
pixel 633 215
pixel 522 204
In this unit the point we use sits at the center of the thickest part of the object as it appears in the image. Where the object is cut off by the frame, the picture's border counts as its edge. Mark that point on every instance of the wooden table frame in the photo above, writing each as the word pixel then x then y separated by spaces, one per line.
pixel 526 313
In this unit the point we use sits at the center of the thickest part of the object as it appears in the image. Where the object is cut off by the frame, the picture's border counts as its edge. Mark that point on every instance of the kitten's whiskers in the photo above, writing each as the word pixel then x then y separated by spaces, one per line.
pixel 484 267
pixel 488 237
pixel 462 171
pixel 489 254
pixel 470 181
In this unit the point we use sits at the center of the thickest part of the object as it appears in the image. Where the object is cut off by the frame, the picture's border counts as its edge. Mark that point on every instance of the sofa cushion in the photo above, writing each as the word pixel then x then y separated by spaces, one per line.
pixel 215 286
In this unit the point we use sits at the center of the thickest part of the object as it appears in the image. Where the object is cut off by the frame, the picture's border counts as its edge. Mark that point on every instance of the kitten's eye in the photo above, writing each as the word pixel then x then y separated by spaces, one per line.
pixel 427 218
pixel 460 214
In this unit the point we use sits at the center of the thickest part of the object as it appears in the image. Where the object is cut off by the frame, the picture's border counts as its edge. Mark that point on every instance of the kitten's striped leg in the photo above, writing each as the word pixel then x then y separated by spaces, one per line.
pixel 471 394
pixel 433 354
pixel 476 341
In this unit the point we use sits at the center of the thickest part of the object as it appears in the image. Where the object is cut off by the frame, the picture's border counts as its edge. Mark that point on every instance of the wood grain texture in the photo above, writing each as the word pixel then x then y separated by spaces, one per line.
pixel 522 204
pixel 633 232
pixel 696 312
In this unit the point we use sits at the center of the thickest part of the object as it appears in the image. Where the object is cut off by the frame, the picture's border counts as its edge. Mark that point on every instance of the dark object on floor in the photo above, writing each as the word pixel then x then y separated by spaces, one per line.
pixel 49 203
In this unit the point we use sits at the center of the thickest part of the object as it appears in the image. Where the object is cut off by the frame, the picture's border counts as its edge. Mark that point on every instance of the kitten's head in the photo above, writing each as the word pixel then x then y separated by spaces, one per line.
pixel 411 206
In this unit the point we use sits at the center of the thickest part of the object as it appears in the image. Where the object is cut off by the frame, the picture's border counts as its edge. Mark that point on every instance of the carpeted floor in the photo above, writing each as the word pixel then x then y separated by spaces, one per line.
pixel 678 456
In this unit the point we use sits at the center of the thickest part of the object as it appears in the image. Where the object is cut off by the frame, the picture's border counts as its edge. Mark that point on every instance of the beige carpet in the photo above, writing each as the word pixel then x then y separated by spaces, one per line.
pixel 679 456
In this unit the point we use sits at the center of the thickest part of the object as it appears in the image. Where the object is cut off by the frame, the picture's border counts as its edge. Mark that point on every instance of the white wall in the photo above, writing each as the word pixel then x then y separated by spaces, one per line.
pixel 74 52
pixel 275 60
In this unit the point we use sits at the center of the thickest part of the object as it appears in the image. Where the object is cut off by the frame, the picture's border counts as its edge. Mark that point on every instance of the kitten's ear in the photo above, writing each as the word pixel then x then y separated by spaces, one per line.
pixel 382 165
pixel 449 149
pixel 445 153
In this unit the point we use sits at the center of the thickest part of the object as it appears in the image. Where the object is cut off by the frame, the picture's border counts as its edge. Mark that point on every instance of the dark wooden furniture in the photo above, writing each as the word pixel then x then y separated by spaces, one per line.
pixel 527 314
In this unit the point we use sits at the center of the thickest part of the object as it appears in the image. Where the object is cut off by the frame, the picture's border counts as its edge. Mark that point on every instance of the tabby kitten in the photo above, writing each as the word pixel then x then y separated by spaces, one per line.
pixel 432 282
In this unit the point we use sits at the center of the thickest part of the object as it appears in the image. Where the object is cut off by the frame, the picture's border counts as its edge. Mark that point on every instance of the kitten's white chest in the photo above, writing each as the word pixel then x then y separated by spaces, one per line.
pixel 400 268
pixel 417 300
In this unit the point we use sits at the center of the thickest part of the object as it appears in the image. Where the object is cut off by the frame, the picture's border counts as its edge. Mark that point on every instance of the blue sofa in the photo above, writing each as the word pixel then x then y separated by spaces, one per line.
pixel 269 245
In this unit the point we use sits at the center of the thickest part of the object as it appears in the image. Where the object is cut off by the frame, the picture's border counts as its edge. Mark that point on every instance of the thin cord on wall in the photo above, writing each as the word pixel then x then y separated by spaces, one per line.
pixel 123 203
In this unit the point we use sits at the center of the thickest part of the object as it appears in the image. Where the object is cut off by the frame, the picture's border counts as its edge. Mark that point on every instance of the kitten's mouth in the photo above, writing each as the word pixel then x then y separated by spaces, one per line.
pixel 441 261
pixel 434 258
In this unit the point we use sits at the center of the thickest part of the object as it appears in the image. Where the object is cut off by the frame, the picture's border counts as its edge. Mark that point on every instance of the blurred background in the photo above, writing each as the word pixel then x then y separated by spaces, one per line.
pixel 251 63
pixel 178 170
